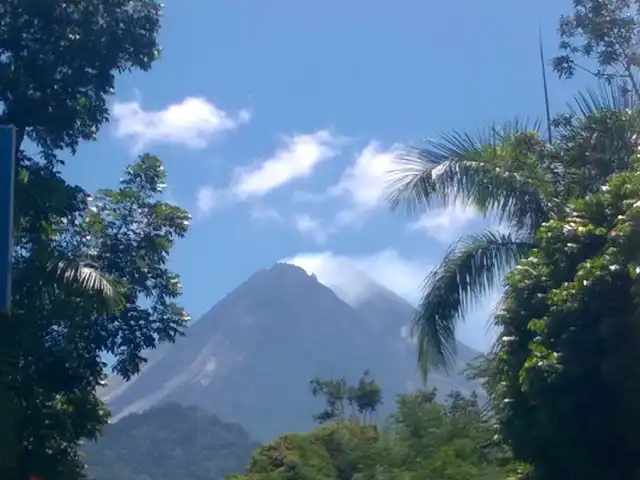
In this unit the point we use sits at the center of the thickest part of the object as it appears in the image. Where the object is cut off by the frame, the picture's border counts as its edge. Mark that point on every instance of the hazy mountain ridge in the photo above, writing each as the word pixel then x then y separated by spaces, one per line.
pixel 169 442
pixel 249 359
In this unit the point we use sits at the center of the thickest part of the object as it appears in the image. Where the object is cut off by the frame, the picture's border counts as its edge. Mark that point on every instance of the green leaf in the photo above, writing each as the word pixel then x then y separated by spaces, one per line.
pixel 497 172
pixel 472 267
pixel 89 279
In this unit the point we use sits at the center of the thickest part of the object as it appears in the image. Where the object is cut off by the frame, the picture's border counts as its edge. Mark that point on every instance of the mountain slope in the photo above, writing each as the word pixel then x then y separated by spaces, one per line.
pixel 167 443
pixel 250 358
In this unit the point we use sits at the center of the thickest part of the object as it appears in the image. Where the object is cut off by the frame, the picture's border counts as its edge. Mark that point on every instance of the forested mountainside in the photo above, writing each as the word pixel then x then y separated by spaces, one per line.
pixel 170 442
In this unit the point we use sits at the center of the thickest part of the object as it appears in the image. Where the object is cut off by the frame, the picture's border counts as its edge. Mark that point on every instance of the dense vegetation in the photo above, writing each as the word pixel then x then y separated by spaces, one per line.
pixel 568 201
pixel 170 442
pixel 570 338
pixel 81 265
pixel 564 374
pixel 421 439
pixel 454 441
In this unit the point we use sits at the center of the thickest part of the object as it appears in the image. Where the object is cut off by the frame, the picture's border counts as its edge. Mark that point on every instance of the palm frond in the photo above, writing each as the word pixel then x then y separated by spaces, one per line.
pixel 607 96
pixel 472 267
pixel 481 171
pixel 88 278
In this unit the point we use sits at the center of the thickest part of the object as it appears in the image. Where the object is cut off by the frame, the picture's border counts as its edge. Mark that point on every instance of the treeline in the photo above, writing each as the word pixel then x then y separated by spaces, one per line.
pixel 421 439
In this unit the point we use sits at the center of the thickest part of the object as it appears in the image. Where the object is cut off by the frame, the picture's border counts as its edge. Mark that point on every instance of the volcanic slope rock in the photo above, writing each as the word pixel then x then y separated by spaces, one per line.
pixel 250 358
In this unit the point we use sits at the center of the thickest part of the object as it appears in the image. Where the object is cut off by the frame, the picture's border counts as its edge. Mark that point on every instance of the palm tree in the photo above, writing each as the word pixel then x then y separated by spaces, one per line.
pixel 511 174
pixel 87 279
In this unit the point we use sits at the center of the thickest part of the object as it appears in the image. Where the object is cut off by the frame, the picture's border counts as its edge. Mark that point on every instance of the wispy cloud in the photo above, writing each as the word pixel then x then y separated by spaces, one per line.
pixel 207 199
pixel 311 227
pixel 192 123
pixel 262 213
pixel 445 223
pixel 295 159
pixel 361 189
pixel 365 183
pixel 401 275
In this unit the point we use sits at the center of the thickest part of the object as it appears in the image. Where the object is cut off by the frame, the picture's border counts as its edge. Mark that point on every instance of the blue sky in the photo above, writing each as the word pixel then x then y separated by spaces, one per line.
pixel 277 122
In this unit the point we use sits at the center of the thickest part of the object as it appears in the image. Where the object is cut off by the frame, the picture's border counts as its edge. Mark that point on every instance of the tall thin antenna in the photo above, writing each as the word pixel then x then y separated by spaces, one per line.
pixel 544 83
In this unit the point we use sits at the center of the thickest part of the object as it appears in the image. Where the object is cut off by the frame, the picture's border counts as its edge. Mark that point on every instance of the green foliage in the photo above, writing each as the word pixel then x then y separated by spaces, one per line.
pixel 58 60
pixel 567 369
pixel 293 457
pixel 604 31
pixel 564 376
pixel 472 268
pixel 167 443
pixel 454 441
pixel 128 233
pixel 360 401
pixel 53 342
pixel 512 175
pixel 421 440
pixel 78 279
pixel 596 139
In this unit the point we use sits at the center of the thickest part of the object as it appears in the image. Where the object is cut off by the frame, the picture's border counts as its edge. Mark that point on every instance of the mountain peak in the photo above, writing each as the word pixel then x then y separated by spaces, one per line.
pixel 351 285
pixel 288 269
pixel 266 339
pixel 283 273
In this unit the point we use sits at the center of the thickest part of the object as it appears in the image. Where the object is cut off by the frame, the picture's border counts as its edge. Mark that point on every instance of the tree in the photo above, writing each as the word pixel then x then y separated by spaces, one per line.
pixel 362 400
pixel 366 397
pixel 446 441
pixel 567 364
pixel 58 331
pixel 421 440
pixel 54 90
pixel 604 31
pixel 335 393
pixel 504 172
pixel 511 175
pixel 499 172
pixel 58 62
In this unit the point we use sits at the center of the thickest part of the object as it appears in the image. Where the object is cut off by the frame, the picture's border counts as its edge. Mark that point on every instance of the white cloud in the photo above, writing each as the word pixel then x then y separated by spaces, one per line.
pixel 401 275
pixel 207 198
pixel 365 183
pixel 311 227
pixel 192 123
pixel 363 187
pixel 301 196
pixel 296 159
pixel 446 223
pixel 266 214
